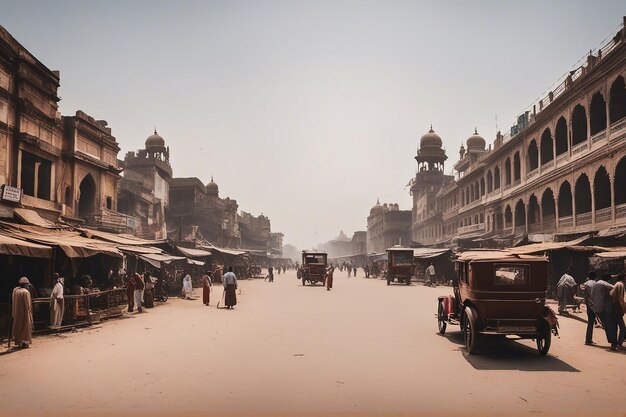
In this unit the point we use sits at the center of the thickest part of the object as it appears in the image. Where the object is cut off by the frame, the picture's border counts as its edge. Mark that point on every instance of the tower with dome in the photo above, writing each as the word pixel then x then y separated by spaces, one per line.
pixel 145 187
pixel 430 178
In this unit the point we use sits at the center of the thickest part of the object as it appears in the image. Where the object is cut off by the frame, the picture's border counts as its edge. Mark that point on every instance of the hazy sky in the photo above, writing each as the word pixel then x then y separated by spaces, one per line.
pixel 306 111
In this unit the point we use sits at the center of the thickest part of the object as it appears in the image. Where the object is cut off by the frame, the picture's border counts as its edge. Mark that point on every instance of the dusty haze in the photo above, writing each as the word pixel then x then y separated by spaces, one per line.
pixel 306 111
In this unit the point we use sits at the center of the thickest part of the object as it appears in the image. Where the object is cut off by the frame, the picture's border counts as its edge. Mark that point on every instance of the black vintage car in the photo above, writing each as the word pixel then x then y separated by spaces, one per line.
pixel 313 269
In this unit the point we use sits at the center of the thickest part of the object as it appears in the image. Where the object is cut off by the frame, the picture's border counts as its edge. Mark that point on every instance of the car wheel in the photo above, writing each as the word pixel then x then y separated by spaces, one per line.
pixel 544 339
pixel 471 331
pixel 441 322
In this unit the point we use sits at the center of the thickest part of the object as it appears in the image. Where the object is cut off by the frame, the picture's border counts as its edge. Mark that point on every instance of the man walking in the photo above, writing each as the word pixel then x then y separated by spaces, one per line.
pixel 187 286
pixel 206 288
pixel 591 316
pixel 270 274
pixel 230 287
pixel 138 295
pixel 329 277
pixel 430 275
pixel 22 314
pixel 565 290
pixel 57 303
pixel 601 305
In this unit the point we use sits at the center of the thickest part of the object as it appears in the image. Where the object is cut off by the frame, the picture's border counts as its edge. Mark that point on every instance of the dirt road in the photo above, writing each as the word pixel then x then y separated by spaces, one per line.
pixel 362 347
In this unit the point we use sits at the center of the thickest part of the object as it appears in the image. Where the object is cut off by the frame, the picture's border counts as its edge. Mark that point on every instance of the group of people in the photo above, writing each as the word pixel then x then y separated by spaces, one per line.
pixel 229 281
pixel 604 299
pixel 140 291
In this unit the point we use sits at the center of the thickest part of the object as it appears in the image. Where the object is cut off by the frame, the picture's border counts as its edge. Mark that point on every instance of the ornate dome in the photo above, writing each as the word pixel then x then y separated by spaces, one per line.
pixel 431 140
pixel 212 188
pixel 377 208
pixel 476 141
pixel 155 141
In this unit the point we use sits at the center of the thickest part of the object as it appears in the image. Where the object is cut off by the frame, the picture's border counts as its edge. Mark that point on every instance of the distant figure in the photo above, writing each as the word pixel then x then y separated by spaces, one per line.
pixel 430 275
pixel 587 286
pixel 619 308
pixel 57 303
pixel 284 269
pixel 139 289
pixel 148 295
pixel 130 293
pixel 187 286
pixel 355 272
pixel 366 269
pixel 329 277
pixel 22 314
pixel 270 274
pixel 230 287
pixel 349 270
pixel 565 291
pixel 206 288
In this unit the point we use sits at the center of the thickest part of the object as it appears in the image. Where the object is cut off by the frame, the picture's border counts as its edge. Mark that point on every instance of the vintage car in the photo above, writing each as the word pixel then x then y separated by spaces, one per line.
pixel 499 294
pixel 400 265
pixel 313 269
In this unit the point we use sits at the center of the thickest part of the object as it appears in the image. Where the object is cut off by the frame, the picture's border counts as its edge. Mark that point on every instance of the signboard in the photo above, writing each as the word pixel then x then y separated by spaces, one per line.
pixel 12 194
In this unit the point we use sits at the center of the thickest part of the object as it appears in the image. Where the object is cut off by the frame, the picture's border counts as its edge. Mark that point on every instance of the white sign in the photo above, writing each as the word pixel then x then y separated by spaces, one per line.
pixel 11 194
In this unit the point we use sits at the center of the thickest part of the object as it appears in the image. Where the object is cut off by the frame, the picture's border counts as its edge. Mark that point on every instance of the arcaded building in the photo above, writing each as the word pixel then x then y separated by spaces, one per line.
pixel 559 172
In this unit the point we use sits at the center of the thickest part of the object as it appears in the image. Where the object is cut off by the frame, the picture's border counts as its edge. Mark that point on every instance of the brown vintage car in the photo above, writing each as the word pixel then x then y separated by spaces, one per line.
pixel 313 269
pixel 499 294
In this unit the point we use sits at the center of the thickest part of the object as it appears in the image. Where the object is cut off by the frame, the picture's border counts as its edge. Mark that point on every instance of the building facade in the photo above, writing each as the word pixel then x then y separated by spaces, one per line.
pixel 560 172
pixel 388 226
pixel 144 191
pixel 57 166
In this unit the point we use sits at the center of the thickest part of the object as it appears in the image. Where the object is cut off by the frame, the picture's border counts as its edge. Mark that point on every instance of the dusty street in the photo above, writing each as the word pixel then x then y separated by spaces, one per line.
pixel 363 347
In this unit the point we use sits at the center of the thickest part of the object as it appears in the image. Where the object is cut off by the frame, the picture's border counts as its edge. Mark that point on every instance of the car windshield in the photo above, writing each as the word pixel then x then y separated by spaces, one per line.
pixel 315 259
pixel 402 258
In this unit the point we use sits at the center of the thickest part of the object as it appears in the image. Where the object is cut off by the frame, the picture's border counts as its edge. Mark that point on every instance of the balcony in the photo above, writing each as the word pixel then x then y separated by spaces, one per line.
pixel 549 224
pixel 620 211
pixel 603 215
pixel 583 219
pixel 532 174
pixel 567 221
pixel 478 227
pixel 113 221
pixel 580 148
pixel 520 230
pixel 547 166
pixel 598 137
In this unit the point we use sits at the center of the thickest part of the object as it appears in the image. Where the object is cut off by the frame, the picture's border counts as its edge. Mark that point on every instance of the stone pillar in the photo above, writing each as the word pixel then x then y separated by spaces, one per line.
pixel 612 180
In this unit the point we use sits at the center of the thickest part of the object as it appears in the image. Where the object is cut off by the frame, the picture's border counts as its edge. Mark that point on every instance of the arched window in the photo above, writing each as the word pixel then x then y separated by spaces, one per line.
pixel 565 200
pixel 579 125
pixel 496 178
pixel 533 210
pixel 489 181
pixel 508 217
pixel 547 152
pixel 533 156
pixel 560 135
pixel 597 114
pixel 602 189
pixel 507 171
pixel 482 186
pixel 619 182
pixel 617 100
pixel 520 213
pixel 517 167
pixel 582 193
pixel 548 209
pixel 87 199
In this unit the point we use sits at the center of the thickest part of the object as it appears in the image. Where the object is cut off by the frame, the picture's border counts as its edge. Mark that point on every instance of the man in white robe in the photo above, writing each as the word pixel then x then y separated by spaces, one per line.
pixel 187 286
pixel 57 303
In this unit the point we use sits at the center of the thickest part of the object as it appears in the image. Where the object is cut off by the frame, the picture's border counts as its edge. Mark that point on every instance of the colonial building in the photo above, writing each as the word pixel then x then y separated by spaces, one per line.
pixel 144 192
pixel 255 231
pixel 559 172
pixel 276 242
pixel 57 166
pixel 338 247
pixel 387 226
pixel 359 242
pixel 194 204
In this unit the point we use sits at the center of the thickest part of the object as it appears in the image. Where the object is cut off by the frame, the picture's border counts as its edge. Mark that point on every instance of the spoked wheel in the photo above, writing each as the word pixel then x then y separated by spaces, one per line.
pixel 544 339
pixel 470 331
pixel 441 322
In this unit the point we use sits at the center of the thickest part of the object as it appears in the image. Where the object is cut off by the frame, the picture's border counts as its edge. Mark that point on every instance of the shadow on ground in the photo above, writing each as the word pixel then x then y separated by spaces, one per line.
pixel 506 355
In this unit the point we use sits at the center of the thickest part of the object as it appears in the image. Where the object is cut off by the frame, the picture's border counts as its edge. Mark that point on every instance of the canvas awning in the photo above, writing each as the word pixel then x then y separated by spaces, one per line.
pixel 546 246
pixel 28 216
pixel 224 251
pixel 72 243
pixel 140 249
pixel 426 253
pixel 122 238
pixel 194 262
pixel 157 259
pixel 484 255
pixel 193 253
pixel 19 247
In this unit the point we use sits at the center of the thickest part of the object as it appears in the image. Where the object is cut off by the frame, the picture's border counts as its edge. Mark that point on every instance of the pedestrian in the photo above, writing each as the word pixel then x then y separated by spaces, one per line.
pixel 138 294
pixel 619 308
pixel 57 303
pixel 270 274
pixel 565 291
pixel 430 275
pixel 230 287
pixel 22 314
pixel 349 270
pixel 329 277
pixel 148 295
pixel 354 272
pixel 602 306
pixel 130 293
pixel 206 288
pixel 187 286
pixel 591 316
